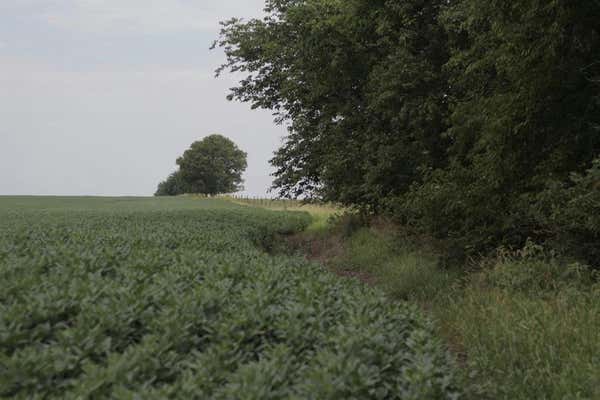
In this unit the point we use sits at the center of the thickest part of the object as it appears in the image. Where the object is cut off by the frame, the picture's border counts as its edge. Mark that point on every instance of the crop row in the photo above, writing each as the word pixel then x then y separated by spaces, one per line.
pixel 181 303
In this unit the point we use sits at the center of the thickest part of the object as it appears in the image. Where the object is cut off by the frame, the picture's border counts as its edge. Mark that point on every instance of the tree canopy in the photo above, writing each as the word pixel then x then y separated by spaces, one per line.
pixel 213 165
pixel 360 82
pixel 174 185
pixel 457 117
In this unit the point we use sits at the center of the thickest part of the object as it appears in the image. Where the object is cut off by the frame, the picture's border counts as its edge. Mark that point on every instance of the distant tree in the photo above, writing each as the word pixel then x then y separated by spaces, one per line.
pixel 212 166
pixel 174 185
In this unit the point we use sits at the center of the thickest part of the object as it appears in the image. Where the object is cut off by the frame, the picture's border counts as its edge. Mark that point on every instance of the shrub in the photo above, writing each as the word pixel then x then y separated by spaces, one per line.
pixel 174 185
pixel 570 214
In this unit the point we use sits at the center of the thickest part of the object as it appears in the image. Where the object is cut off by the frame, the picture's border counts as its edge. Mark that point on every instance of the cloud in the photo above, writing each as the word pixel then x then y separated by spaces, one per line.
pixel 142 16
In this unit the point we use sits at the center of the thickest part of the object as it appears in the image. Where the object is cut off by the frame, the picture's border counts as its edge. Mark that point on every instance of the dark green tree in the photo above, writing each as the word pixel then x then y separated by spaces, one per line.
pixel 212 166
pixel 174 185
pixel 362 86
pixel 525 114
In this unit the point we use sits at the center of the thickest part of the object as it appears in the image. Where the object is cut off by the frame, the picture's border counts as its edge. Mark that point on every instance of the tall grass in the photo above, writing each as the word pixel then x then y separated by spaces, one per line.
pixel 321 213
pixel 526 327
pixel 535 337
pixel 523 326
pixel 406 273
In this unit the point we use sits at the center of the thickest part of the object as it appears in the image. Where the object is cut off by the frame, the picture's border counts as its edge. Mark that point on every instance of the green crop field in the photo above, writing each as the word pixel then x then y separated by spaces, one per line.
pixel 177 298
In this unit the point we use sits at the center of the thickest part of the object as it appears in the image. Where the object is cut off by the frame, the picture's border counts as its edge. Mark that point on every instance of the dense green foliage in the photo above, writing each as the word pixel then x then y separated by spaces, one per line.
pixel 460 117
pixel 213 165
pixel 174 185
pixel 362 89
pixel 172 298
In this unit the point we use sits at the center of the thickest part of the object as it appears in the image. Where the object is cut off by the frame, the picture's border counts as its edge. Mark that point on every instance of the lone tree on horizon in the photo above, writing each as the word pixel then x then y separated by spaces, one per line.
pixel 213 165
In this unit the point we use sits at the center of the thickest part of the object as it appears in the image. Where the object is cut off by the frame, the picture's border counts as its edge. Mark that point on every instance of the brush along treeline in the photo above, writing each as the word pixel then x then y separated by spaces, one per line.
pixel 173 299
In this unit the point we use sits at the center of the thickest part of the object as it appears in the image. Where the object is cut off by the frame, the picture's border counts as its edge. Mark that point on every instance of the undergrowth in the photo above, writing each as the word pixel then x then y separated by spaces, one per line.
pixel 524 325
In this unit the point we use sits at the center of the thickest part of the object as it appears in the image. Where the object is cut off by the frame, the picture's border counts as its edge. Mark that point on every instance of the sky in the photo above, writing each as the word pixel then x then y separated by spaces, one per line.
pixel 99 97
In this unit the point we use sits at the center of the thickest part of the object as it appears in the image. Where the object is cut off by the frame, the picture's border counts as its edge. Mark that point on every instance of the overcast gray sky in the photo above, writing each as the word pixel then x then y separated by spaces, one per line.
pixel 99 97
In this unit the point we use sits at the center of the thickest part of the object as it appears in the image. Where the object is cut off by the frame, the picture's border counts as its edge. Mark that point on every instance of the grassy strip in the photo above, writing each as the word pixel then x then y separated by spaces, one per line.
pixel 321 213
pixel 527 326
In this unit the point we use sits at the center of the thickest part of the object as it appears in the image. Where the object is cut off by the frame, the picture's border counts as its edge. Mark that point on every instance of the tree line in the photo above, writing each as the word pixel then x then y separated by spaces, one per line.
pixel 476 122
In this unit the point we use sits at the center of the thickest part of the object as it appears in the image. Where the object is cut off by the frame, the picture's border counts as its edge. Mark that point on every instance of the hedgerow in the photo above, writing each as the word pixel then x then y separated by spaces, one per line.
pixel 172 301
pixel 464 120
